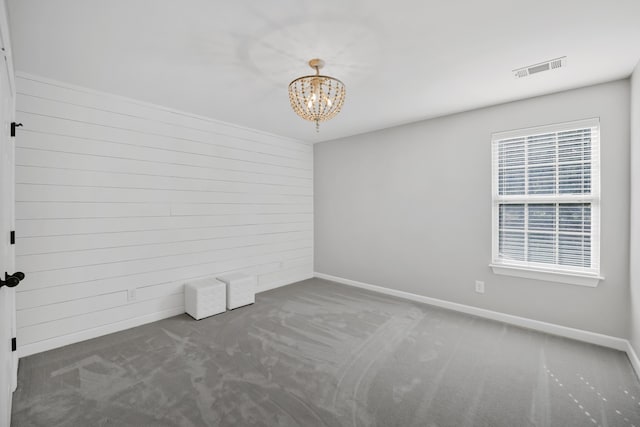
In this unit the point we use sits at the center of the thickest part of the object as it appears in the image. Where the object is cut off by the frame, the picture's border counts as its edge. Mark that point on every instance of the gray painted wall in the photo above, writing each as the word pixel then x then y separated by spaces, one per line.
pixel 409 208
pixel 635 210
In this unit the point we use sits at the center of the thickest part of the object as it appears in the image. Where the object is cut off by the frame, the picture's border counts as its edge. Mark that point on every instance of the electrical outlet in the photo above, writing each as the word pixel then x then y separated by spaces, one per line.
pixel 131 295
pixel 479 287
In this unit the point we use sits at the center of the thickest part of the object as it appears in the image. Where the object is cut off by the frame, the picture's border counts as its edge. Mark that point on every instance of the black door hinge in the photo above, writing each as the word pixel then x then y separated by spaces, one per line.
pixel 12 237
pixel 14 125
pixel 14 344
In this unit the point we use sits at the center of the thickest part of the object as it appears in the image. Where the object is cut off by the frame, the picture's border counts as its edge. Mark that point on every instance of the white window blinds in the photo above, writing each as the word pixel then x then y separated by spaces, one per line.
pixel 546 197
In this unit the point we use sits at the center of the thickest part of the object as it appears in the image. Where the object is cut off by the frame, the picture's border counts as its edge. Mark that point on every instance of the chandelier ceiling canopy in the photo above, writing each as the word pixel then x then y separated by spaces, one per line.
pixel 316 98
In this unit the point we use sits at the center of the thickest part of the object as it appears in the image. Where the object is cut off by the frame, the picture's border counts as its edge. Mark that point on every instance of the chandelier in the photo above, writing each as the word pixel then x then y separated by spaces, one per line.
pixel 316 98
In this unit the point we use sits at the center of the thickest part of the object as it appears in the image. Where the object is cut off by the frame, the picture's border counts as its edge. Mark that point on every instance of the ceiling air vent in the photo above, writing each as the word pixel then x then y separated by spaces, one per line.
pixel 539 68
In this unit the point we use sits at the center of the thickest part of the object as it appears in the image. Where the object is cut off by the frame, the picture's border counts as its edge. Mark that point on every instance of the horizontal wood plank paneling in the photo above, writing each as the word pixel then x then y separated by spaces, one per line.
pixel 59 176
pixel 235 136
pixel 67 144
pixel 66 193
pixel 124 269
pixel 74 226
pixel 115 195
pixel 42 331
pixel 85 242
pixel 91 162
pixel 194 250
pixel 114 140
pixel 252 265
pixel 50 312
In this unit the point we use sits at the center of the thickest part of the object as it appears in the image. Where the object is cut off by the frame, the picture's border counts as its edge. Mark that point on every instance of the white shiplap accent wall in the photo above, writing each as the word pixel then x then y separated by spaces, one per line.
pixel 115 195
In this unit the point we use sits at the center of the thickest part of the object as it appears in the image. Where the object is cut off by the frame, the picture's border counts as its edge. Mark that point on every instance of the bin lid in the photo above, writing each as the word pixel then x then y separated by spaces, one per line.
pixel 232 277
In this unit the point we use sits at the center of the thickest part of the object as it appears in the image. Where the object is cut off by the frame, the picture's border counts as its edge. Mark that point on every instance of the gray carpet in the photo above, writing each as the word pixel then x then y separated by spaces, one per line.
pixel 322 354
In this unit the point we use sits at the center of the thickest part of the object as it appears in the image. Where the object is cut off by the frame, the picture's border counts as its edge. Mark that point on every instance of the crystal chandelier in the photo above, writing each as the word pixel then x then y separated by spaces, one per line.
pixel 316 98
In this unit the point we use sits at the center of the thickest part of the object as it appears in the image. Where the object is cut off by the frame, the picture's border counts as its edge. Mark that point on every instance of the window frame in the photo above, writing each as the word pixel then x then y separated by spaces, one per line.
pixel 543 271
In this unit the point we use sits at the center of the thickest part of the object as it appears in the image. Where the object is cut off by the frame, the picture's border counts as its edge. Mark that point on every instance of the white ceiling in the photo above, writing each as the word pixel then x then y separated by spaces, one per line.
pixel 401 61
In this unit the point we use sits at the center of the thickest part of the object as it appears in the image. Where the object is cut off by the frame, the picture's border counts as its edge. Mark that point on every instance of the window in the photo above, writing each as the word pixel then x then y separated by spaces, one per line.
pixel 546 202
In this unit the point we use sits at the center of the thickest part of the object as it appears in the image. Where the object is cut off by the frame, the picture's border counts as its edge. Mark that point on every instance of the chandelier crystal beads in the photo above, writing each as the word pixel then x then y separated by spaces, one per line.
pixel 316 98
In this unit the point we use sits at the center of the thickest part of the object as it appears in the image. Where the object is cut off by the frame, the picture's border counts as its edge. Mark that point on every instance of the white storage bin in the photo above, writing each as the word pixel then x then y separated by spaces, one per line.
pixel 241 289
pixel 204 298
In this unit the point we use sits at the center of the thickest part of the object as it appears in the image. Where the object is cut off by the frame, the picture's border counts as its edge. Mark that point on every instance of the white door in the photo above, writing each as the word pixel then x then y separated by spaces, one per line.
pixel 8 358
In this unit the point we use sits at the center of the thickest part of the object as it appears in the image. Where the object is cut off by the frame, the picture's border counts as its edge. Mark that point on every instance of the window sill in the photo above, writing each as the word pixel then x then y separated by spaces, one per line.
pixel 588 280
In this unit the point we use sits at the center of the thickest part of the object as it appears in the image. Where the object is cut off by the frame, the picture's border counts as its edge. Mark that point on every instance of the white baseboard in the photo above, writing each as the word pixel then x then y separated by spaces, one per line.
pixel 550 328
pixel 564 331
pixel 633 357
pixel 40 346
pixel 615 343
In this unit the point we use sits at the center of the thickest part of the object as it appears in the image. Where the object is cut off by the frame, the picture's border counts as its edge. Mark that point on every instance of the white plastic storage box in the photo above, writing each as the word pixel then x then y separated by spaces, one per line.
pixel 241 289
pixel 204 298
